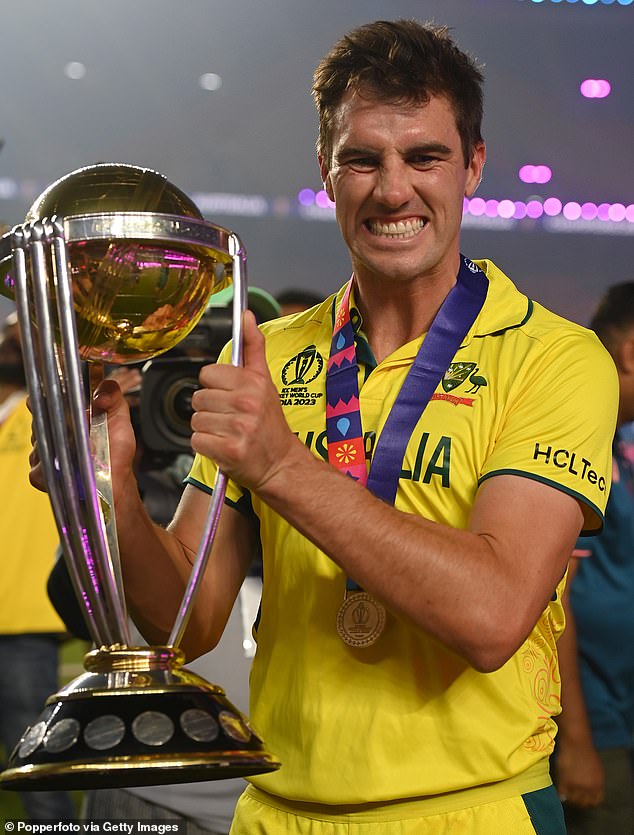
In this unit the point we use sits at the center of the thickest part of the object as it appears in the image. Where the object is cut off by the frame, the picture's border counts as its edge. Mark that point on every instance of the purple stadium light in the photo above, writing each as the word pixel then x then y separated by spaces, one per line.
pixel 595 88
pixel 535 174
pixel 508 209
pixel 617 212
pixel 589 211
pixel 552 206
pixel 306 197
pixel 477 207
pixel 323 201
pixel 534 209
pixel 572 211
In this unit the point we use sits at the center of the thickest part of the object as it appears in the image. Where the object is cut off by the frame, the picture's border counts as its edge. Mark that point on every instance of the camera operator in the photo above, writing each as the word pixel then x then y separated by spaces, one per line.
pixel 159 394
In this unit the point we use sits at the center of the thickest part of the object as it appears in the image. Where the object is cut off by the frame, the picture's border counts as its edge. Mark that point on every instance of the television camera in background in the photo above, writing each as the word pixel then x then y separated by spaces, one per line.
pixel 163 414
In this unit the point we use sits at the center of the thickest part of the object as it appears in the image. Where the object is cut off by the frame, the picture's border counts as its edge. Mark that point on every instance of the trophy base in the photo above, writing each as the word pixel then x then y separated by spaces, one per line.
pixel 127 772
pixel 136 718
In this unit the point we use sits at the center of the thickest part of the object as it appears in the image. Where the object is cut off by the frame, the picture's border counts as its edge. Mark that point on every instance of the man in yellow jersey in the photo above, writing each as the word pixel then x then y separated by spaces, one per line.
pixel 416 457
pixel 30 630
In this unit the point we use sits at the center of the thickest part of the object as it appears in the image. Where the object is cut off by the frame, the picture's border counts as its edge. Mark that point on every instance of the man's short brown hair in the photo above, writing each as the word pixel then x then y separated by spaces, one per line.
pixel 400 61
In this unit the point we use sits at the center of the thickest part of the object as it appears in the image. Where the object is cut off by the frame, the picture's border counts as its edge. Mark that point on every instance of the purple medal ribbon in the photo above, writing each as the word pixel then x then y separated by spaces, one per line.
pixel 451 324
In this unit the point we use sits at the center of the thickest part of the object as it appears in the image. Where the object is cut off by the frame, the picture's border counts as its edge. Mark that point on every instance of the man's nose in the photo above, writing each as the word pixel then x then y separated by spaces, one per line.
pixel 394 187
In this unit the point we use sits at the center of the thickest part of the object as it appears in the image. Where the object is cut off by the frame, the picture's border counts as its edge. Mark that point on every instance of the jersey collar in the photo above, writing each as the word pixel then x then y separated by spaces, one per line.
pixel 504 308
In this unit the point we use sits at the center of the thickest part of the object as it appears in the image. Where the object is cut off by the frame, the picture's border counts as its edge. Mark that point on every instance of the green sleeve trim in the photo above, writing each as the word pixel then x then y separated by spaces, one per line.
pixel 558 486
pixel 243 505
pixel 529 313
pixel 201 485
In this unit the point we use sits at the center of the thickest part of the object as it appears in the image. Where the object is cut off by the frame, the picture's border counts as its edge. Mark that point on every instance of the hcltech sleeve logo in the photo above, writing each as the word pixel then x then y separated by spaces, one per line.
pixel 574 463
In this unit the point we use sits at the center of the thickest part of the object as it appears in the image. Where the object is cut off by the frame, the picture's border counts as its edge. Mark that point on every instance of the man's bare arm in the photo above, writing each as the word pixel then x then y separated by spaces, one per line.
pixel 157 563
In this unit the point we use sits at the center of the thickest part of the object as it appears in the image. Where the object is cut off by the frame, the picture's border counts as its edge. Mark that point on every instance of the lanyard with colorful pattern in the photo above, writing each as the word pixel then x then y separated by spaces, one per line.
pixel 346 448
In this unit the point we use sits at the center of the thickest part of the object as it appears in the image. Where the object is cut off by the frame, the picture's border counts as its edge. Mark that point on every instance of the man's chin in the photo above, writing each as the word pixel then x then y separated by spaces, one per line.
pixel 393 268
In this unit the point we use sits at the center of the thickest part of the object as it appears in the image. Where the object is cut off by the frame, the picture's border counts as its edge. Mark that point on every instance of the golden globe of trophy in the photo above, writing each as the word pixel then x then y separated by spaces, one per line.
pixel 114 265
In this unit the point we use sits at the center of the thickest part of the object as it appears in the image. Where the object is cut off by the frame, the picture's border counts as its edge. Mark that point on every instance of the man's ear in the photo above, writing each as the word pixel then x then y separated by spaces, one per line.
pixel 475 169
pixel 325 177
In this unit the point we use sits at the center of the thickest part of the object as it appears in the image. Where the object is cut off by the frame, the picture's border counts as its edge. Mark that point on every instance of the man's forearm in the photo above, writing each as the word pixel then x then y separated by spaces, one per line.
pixel 155 569
pixel 458 585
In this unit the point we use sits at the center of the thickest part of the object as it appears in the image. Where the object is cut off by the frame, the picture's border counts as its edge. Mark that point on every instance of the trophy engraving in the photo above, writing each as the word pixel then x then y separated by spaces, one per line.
pixel 114 264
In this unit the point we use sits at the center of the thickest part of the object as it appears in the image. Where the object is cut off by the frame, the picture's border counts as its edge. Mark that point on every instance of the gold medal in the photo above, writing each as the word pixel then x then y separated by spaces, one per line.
pixel 360 620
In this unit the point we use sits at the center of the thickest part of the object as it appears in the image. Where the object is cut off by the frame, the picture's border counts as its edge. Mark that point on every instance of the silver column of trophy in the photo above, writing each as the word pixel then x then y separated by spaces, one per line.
pixel 114 265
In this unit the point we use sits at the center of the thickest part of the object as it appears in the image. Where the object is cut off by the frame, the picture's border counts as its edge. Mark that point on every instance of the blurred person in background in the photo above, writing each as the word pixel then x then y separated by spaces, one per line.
pixel 296 299
pixel 30 630
pixel 594 751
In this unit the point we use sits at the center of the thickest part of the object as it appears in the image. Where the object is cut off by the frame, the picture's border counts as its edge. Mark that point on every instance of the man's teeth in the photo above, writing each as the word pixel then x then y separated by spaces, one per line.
pixel 400 229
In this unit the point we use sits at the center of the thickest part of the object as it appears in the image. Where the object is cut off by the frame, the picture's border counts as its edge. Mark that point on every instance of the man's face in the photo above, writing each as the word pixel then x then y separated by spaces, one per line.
pixel 398 179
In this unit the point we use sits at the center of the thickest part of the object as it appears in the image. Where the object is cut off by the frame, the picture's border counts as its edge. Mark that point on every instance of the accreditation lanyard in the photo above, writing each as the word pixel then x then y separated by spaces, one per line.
pixel 344 432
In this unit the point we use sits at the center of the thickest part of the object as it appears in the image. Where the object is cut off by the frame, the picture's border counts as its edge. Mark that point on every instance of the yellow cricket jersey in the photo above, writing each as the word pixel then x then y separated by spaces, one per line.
pixel 527 393
pixel 27 532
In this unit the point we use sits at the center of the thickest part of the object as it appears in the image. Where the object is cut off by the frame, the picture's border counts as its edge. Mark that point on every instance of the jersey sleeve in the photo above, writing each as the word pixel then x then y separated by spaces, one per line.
pixel 559 422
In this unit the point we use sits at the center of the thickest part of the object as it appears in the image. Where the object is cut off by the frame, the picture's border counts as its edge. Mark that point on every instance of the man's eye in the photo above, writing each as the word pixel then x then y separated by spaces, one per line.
pixel 361 163
pixel 421 161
